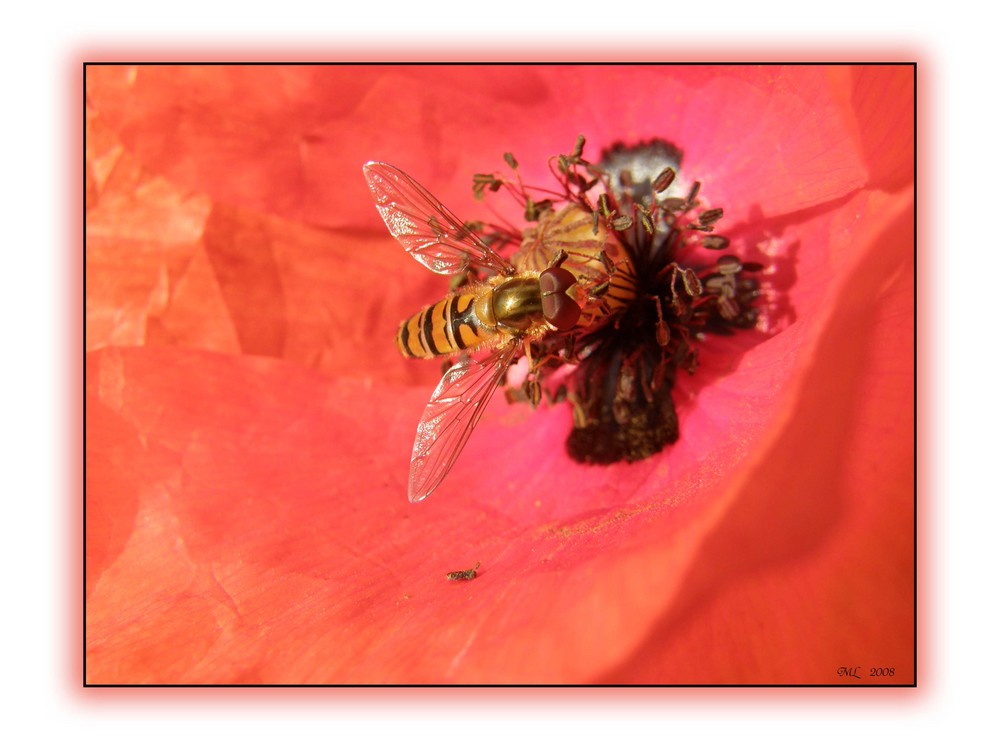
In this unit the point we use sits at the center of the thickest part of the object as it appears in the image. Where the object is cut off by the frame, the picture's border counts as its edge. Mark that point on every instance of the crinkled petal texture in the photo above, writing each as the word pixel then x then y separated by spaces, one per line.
pixel 249 423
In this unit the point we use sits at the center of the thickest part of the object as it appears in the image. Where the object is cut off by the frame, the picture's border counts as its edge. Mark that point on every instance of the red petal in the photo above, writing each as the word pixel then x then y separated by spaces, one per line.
pixel 246 517
pixel 167 267
pixel 881 99
pixel 811 567
pixel 291 141
pixel 270 531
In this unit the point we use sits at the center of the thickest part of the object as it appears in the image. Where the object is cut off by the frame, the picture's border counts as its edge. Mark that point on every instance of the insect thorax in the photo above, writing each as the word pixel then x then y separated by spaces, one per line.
pixel 517 303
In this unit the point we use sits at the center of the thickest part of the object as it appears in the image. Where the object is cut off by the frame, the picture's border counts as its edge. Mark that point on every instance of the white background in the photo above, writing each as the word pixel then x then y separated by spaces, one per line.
pixel 42 50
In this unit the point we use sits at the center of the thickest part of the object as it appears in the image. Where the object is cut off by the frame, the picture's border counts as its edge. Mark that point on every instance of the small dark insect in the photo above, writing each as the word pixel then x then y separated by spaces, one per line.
pixel 463 575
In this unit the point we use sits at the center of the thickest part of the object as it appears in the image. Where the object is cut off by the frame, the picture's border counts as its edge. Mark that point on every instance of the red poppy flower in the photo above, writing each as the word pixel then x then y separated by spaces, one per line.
pixel 249 422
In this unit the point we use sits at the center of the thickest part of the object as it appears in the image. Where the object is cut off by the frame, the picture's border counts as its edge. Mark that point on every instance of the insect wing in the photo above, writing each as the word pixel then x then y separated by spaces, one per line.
pixel 452 413
pixel 426 229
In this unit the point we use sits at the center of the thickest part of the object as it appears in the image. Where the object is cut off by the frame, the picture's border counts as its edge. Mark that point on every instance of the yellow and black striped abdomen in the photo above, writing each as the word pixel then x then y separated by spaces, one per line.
pixel 622 287
pixel 445 327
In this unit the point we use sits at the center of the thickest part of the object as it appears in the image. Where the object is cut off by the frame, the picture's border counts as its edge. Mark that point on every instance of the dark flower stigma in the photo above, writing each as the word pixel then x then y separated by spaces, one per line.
pixel 662 294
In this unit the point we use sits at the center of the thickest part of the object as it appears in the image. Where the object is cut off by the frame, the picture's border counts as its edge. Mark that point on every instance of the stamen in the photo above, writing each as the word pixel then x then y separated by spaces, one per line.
pixel 692 284
pixel 714 242
pixel 729 265
pixel 603 207
pixel 663 180
pixel 675 205
pixel 649 296
pixel 693 194
pixel 708 218
pixel 646 219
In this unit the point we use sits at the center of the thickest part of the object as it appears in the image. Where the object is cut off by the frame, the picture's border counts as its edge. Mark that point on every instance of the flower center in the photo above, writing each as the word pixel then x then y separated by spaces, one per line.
pixel 668 286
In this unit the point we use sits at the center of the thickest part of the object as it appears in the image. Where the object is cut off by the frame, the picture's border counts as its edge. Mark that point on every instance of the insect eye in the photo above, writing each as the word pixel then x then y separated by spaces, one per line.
pixel 558 307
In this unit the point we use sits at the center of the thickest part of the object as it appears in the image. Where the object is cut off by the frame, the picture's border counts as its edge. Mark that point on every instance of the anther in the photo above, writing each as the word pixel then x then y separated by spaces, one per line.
pixel 715 242
pixel 663 180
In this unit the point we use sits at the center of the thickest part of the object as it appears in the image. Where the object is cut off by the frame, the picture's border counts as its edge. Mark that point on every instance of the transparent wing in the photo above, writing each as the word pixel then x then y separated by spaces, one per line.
pixel 452 413
pixel 426 229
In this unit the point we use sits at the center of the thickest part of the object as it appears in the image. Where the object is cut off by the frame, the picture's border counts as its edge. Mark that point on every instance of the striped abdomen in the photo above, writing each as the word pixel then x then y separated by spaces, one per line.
pixel 442 328
pixel 622 287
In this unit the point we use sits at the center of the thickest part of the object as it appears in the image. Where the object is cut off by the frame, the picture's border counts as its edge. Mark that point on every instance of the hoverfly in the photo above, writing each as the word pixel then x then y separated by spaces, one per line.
pixel 513 306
